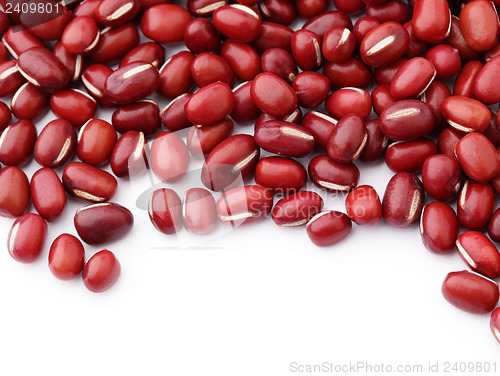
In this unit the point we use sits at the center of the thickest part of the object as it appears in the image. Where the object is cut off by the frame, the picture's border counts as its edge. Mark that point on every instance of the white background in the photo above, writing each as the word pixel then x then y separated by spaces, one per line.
pixel 247 302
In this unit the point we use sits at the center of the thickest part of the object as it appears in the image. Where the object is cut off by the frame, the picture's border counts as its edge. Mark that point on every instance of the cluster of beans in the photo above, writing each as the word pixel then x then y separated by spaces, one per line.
pixel 413 50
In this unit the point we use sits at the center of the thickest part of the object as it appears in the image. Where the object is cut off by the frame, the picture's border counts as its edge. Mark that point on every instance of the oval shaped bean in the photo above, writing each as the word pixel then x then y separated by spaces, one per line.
pixel 479 25
pixel 73 105
pixel 478 157
pixel 199 211
pixel 363 206
pixel 347 139
pixel 142 116
pixel 129 155
pixel 328 228
pixel 413 78
pixel 384 44
pixel 47 193
pixel 201 140
pixel 17 143
pixel 169 158
pixel 210 104
pixel 15 192
pixel 101 271
pixel 441 176
pixel 26 238
pixel 320 126
pixel 325 173
pixel 406 120
pixel 284 138
pixel 431 20
pixel 238 22
pixel 465 114
pixel 297 209
pixel 479 253
pixel 438 227
pixel 409 155
pixel 56 143
pixel 87 182
pixel 66 257
pixel 280 174
pixel 475 205
pixel 96 141
pixel 165 211
pixel 273 95
pixel 495 323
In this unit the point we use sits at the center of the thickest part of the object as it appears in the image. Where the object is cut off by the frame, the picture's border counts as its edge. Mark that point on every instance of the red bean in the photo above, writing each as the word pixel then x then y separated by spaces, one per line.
pixel 207 68
pixel 363 206
pixel 175 75
pixel 445 59
pixel 238 22
pixel 495 323
pixel 199 211
pixel 29 103
pixel 494 226
pixel 73 63
pixel 131 83
pixel 376 142
pixel 244 205
pixel 381 98
pixel 114 43
pixel 17 143
pixel 96 141
pixel 478 157
pixel 94 79
pixel 431 20
pixel 201 36
pixel 244 109
pixel 103 223
pixel 173 117
pixel 280 11
pixel 242 58
pixel 483 80
pixel 410 155
pixel 279 62
pixel 284 138
pixel 19 40
pixel 201 140
pixel 5 116
pixel 306 50
pixel 352 72
pixel 81 35
pixel 297 209
pixel 434 97
pixel 406 120
pixel 347 139
pixel 349 100
pixel 73 105
pixel 169 158
pixel 392 10
pixel 465 114
pixel 441 176
pixel 384 44
pixel 210 104
pixel 475 205
pixel 129 155
pixel 457 40
pixel 328 228
pixel 26 238
pixel 142 116
pixel 66 257
pixel 233 158
pixel 311 88
pixel 101 271
pixel 320 126
pixel 115 13
pixel 310 8
pixel 273 35
pixel 53 28
pixel 47 193
pixel 56 143
pixel 438 227
pixel 321 23
pixel 349 6
pixel 413 78
pixel 165 211
pixel 403 200
pixel 273 95
pixel 333 176
pixel 165 23
pixel 362 27
pixel 10 78
pixel 88 182
pixel 338 44
pixel 447 141
pixel 416 46
pixel 150 52
pixel 479 25
pixel 470 291
pixel 204 8
pixel 479 253
pixel 280 174
pixel 15 192
pixel 384 75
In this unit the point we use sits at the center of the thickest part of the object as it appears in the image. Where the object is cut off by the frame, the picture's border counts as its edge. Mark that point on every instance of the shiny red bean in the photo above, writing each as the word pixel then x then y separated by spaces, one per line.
pixel 142 116
pixel 129 155
pixel 447 141
pixel 66 257
pixel 338 44
pixel 88 182
pixel 114 43
pixel 238 22
pixel 165 211
pixel 73 105
pixel 431 20
pixel 328 228
pixel 485 86
pixel 416 47
pixel 465 114
pixel 479 253
pixel 94 79
pixel 352 72
pixel 306 50
pixel 280 174
pixel 384 44
pixel 320 126
pixel 204 8
pixel 81 35
pixel 297 209
pixel 478 157
pixel 5 116
pixel 131 83
pixel 169 158
pixel 175 75
pixel 441 176
pixel 376 142
pixel 199 212
pixel 434 97
pixel 349 100
pixel 475 205
pixel 279 62
pixel 173 117
pixel 165 23
pixel 391 10
pixel 101 271
pixel 10 78
pixel 333 176
pixel 284 138
pixel 403 200
pixel 347 139
pixel 207 68
pixel 280 11
pixel 310 8
pixel 445 59
pixel 479 25
pixel 47 193
pixel 242 58
pixel 273 35
pixel 15 192
pixel 56 143
pixel 244 109
pixel 150 52
pixel 96 141
pixel 17 143
pixel 233 158
pixel 363 206
pixel 201 140
pixel 244 205
pixel 381 98
pixel 413 78
pixel 384 75
pixel 29 103
pixel 406 120
pixel 201 36
pixel 115 13
pixel 438 227
pixel 470 291
pixel 103 223
pixel 495 323
pixel 19 40
pixel 362 27
pixel 311 88
pixel 210 104
pixel 26 238
pixel 457 40
pixel 321 23
pixel 409 155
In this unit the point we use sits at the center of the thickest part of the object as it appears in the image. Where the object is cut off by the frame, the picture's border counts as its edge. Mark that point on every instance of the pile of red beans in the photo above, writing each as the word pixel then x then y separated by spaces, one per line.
pixel 303 89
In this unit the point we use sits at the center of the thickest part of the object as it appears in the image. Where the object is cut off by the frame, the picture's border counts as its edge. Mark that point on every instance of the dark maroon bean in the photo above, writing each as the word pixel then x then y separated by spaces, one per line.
pixel 175 75
pixel 173 117
pixel 244 109
pixel 441 176
pixel 142 116
pixel 284 138
pixel 320 126
pixel 349 73
pixel 406 120
pixel 129 154
pixel 306 50
pixel 150 52
pixel 114 43
pixel 273 35
pixel 475 205
pixel 494 226
pixel 347 139
pixel 17 143
pixel 114 13
pixel 10 78
pixel 376 143
pixel 333 176
pixel 56 143
pixel 280 63
pixel 165 211
pixel 29 102
pixel 201 36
